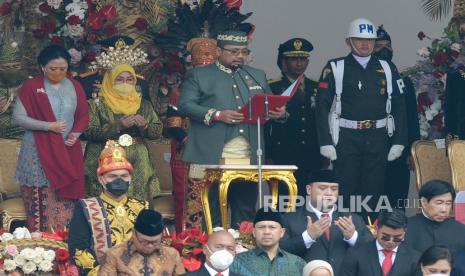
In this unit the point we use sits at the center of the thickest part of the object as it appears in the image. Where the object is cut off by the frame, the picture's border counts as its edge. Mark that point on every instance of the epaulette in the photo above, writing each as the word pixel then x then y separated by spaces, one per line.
pixel 88 73
pixel 273 80
pixel 140 77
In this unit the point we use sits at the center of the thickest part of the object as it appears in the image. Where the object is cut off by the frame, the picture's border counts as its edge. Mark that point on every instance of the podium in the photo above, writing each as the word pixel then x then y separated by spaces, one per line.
pixel 224 175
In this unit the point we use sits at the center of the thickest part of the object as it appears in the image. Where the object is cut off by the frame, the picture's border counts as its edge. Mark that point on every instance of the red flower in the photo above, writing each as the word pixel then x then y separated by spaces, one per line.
pixel 176 66
pixel 44 8
pixel 191 264
pixel 438 74
pixel 56 40
pixel 62 255
pixel 5 8
pixel 421 35
pixel 437 120
pixel 440 58
pixel 141 24
pixel 424 99
pixel 74 20
pixel 91 37
pixel 2 231
pixel 197 251
pixel 108 11
pixel 48 26
pixel 38 33
pixel 194 232
pixel 90 56
pixel 1 262
pixel 246 227
pixel 111 30
pixel 183 235
pixel 233 4
pixel 203 239
pixel 94 21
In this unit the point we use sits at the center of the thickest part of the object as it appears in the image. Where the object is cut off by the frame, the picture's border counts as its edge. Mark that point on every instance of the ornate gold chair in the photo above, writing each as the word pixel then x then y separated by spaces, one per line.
pixel 11 203
pixel 164 202
pixel 431 162
pixel 456 153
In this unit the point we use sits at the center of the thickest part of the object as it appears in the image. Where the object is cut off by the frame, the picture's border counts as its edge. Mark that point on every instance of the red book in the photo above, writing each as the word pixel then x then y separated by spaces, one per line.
pixel 262 103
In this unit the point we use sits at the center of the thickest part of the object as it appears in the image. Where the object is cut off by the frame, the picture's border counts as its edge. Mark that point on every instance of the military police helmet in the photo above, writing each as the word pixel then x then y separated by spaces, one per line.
pixel 362 28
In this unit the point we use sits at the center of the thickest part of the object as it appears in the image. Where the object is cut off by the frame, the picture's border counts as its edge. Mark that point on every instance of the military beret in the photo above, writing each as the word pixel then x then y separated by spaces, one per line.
pixel 296 47
pixel 267 214
pixel 382 34
pixel 232 38
pixel 149 223
pixel 327 176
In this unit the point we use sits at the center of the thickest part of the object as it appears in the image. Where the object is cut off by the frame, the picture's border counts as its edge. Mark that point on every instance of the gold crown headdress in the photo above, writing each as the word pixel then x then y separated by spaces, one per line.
pixel 120 54
pixel 113 157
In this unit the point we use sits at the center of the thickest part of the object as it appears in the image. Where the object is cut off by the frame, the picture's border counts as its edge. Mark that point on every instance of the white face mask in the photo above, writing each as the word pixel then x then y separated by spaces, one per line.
pixel 221 259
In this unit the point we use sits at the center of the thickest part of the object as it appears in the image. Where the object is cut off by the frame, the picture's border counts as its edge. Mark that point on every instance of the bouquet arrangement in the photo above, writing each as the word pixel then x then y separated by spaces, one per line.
pixel 429 78
pixel 35 253
pixel 189 244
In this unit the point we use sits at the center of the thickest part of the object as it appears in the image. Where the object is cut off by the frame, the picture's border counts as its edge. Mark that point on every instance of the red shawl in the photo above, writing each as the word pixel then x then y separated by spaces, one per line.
pixel 63 166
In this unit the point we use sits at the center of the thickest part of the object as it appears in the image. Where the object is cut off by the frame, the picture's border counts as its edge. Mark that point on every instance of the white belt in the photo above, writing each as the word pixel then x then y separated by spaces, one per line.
pixel 366 124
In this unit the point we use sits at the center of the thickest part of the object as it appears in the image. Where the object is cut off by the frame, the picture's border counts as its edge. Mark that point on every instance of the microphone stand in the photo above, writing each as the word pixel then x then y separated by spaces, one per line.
pixel 259 147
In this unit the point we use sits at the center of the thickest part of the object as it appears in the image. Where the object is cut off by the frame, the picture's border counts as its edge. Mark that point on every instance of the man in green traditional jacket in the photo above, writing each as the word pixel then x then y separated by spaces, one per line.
pixel 211 97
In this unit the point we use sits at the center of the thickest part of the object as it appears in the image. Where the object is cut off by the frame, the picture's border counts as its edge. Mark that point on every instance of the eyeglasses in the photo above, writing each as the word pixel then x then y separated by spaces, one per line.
pixel 237 52
pixel 394 239
pixel 148 243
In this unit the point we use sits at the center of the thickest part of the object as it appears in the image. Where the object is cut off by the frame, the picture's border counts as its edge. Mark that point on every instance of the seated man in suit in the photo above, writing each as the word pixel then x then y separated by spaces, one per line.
pixel 267 258
pixel 219 252
pixel 433 225
pixel 386 255
pixel 317 231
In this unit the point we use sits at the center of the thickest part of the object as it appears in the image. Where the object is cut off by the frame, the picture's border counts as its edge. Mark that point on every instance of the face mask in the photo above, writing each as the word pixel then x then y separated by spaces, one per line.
pixel 55 76
pixel 221 259
pixel 118 187
pixel 124 89
pixel 384 54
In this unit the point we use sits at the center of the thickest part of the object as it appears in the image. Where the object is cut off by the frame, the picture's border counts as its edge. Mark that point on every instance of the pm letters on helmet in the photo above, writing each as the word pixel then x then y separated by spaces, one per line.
pixel 366 28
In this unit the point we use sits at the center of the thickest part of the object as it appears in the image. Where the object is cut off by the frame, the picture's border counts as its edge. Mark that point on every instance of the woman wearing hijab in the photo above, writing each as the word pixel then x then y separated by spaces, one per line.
pixel 318 268
pixel 119 113
pixel 52 108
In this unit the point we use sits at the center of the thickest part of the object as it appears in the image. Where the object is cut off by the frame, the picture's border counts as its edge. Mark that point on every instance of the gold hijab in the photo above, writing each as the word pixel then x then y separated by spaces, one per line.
pixel 119 104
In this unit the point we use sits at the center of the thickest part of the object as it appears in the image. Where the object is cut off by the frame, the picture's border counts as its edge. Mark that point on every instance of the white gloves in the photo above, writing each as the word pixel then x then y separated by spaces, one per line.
pixel 395 152
pixel 329 152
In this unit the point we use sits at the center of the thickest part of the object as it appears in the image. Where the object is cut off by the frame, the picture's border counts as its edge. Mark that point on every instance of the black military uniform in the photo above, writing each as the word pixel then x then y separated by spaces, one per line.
pixel 295 141
pixel 92 80
pixel 454 111
pixel 361 151
pixel 398 171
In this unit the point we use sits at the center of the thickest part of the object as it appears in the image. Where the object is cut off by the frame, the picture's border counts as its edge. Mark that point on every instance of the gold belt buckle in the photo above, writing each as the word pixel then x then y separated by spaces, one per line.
pixel 367 124
pixel 125 140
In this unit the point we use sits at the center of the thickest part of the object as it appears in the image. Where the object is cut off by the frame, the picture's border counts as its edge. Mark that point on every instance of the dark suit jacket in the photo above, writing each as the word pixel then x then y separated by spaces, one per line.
pixel 363 261
pixel 332 251
pixel 202 271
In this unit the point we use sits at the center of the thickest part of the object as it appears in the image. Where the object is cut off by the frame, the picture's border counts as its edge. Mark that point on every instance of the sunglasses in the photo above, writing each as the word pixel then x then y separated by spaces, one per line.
pixel 394 239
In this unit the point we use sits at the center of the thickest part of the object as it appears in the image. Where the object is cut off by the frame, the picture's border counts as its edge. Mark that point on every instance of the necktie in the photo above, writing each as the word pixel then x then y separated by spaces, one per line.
pixel 218 274
pixel 328 230
pixel 387 262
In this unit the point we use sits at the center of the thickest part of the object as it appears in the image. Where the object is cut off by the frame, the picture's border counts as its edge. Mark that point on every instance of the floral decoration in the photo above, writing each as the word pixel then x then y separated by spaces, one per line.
pixel 189 244
pixel 32 260
pixel 444 55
